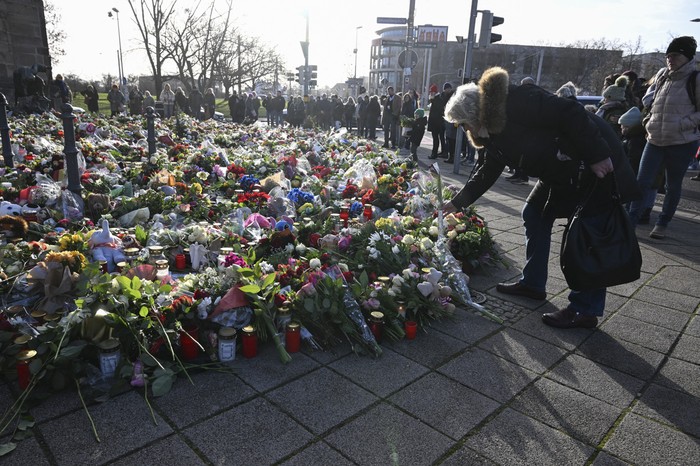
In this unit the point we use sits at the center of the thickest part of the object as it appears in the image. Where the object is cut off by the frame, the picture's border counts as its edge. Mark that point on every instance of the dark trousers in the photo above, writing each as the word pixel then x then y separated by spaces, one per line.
pixel 438 140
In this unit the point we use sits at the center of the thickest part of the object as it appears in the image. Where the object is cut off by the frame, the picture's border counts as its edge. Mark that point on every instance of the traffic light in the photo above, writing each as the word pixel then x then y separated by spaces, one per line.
pixel 300 75
pixel 488 20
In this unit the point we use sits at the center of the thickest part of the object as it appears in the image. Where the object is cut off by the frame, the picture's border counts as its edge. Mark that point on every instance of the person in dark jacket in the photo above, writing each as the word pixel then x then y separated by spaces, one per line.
pixel 135 101
pixel 181 100
pixel 436 121
pixel 349 116
pixel 374 112
pixel 417 131
pixel 362 103
pixel 91 99
pixel 557 141
pixel 196 101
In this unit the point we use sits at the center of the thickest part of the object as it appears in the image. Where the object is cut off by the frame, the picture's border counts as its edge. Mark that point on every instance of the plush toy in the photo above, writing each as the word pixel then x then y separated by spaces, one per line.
pixel 13 226
pixel 97 205
pixel 106 247
pixel 8 208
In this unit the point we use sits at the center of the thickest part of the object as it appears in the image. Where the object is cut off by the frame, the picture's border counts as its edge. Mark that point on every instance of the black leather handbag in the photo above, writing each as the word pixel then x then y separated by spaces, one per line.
pixel 600 247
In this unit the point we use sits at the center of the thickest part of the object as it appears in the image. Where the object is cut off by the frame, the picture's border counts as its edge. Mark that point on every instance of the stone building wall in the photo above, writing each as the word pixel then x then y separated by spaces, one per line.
pixel 23 40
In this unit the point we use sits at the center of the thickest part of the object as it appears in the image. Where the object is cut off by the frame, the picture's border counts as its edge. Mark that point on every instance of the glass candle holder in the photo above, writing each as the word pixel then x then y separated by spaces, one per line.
pixel 250 342
pixel 180 262
pixel 411 328
pixel 367 212
pixel 293 337
pixel 155 253
pixel 110 355
pixel 188 343
pixel 131 254
pixel 227 344
pixel 345 215
pixel 376 325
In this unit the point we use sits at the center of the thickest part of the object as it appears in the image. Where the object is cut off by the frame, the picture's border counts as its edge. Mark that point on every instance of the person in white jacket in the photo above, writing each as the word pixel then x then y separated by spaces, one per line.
pixel 672 129
pixel 167 96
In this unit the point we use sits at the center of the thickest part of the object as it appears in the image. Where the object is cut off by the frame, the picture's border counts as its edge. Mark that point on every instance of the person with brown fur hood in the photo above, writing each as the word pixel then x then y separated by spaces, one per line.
pixel 559 142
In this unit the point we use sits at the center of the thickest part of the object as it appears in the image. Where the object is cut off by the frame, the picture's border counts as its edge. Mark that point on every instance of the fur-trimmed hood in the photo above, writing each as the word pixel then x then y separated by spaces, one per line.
pixel 482 107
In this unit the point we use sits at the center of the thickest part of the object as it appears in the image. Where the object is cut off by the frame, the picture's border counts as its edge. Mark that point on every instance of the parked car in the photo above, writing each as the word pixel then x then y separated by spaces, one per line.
pixel 589 100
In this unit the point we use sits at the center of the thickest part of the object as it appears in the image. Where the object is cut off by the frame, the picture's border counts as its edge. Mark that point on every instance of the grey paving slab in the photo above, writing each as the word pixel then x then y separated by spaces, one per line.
pixel 676 279
pixel 645 442
pixel 328 355
pixel 242 432
pixel 599 381
pixel 385 435
pixel 605 459
pixel 171 450
pixel 582 417
pixel 523 349
pixel 187 403
pixel 694 327
pixel 265 371
pixel 467 326
pixel 642 333
pixel 321 400
pixel 621 355
pixel 58 404
pixel 467 456
pixel 397 371
pixel 513 438
pixel 26 452
pixel 677 409
pixel 317 453
pixel 628 289
pixel 121 430
pixel 653 314
pixel 567 339
pixel 459 410
pixel 488 374
pixel 431 348
pixel 662 298
pixel 688 349
pixel 680 375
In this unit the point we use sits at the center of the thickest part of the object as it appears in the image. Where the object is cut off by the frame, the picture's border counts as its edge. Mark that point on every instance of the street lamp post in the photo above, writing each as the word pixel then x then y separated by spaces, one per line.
pixel 121 58
pixel 357 29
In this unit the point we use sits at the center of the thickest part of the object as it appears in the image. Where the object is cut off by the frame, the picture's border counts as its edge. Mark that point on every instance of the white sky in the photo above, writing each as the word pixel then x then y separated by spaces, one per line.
pixel 92 42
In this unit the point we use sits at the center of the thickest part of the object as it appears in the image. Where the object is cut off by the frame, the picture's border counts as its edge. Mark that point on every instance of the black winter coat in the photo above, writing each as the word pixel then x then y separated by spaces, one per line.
pixel 539 127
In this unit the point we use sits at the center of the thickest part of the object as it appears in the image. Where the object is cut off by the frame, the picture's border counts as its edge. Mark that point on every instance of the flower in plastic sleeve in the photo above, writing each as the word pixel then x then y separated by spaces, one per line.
pixel 395 249
pixel 433 230
pixel 426 244
pixel 451 234
pixel 408 240
pixel 425 288
pixel 307 289
pixel 301 248
pixel 451 220
pixel 460 228
pixel 315 263
pixel 203 308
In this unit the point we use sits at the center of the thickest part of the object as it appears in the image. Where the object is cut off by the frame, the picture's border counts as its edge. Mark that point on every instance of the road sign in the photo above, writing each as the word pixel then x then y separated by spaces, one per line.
pixel 425 45
pixel 393 43
pixel 385 20
pixel 404 63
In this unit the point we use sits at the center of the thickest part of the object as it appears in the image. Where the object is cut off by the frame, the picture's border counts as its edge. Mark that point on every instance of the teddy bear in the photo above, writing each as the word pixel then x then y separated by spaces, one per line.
pixel 106 247
pixel 8 208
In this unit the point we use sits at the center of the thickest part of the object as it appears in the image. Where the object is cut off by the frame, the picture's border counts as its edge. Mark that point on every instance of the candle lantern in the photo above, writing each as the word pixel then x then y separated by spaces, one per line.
pixel 345 215
pixel 162 269
pixel 131 254
pixel 110 355
pixel 24 376
pixel 180 262
pixel 376 325
pixel 293 337
pixel 227 344
pixel 367 212
pixel 250 342
pixel 188 343
pixel 155 253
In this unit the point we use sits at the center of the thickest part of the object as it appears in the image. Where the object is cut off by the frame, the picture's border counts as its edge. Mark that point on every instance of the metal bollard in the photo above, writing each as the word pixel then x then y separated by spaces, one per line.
pixel 150 116
pixel 69 150
pixel 5 133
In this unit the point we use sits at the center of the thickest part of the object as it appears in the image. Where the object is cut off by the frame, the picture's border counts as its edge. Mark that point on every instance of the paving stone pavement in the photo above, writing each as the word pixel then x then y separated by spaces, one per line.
pixel 466 391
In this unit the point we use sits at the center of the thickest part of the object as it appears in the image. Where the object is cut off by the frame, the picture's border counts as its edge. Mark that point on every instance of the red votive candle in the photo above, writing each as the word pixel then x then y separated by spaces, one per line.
pixel 345 215
pixel 24 376
pixel 250 342
pixel 411 327
pixel 188 343
pixel 367 213
pixel 376 325
pixel 180 262
pixel 293 337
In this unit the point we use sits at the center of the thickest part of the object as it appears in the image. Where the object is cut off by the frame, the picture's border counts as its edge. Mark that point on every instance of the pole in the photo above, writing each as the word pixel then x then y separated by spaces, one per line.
pixel 307 72
pixel 539 66
pixel 409 42
pixel 69 150
pixel 5 133
pixel 357 29
pixel 467 73
pixel 239 65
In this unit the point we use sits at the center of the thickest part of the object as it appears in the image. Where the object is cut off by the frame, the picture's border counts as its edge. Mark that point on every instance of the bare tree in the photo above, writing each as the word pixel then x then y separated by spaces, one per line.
pixel 597 58
pixel 258 62
pixel 152 18
pixel 197 44
pixel 54 33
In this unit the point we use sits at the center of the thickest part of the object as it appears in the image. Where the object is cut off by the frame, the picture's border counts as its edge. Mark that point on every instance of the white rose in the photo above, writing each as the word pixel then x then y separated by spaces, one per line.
pixel 408 240
pixel 433 231
pixel 315 263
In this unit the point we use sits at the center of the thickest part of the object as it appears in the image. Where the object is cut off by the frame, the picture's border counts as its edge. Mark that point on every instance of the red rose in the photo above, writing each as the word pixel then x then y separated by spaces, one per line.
pixel 314 239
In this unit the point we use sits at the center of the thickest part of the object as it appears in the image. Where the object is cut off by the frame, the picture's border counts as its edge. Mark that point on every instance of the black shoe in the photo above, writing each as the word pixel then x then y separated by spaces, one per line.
pixel 695 178
pixel 385 146
pixel 568 318
pixel 520 180
pixel 518 289
pixel 450 160
pixel 512 177
pixel 442 154
pixel 432 157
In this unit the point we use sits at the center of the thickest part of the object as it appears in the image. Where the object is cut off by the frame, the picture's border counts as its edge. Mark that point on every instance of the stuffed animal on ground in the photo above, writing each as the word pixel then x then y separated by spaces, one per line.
pixel 97 205
pixel 13 226
pixel 106 247
pixel 8 208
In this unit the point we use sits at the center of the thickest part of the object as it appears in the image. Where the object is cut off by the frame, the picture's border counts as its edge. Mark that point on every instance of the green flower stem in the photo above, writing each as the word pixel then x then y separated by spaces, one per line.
pixel 92 423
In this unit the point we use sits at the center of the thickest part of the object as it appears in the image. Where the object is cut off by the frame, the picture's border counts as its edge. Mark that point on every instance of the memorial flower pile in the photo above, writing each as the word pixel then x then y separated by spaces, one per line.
pixel 223 226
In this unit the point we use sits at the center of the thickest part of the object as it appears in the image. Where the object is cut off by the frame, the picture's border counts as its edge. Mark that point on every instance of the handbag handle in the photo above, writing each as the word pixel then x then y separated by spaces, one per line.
pixel 615 192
